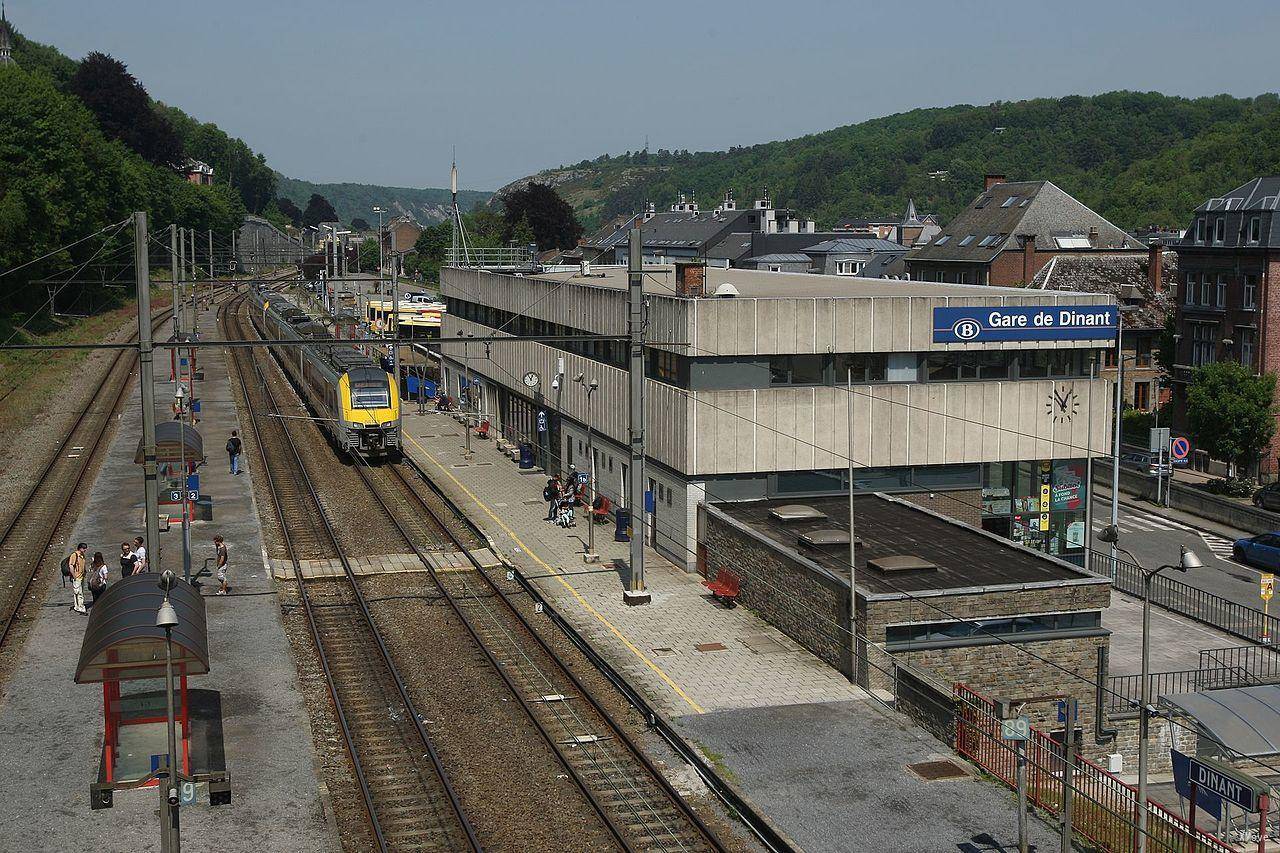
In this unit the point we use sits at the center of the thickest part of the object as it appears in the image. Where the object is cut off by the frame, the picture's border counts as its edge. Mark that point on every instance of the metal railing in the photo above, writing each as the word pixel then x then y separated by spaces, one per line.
pixel 1125 691
pixel 505 257
pixel 1104 809
pixel 1262 663
pixel 1237 619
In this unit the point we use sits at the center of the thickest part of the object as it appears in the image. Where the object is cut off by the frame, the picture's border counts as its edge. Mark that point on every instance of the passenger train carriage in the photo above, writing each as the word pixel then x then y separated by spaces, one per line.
pixel 357 401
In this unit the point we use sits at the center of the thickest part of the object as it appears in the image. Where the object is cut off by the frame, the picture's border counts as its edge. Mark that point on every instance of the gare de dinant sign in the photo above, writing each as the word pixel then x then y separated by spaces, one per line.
pixel 976 324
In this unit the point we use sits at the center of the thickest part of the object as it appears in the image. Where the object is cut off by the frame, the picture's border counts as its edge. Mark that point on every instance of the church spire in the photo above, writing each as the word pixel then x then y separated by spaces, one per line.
pixel 910 216
pixel 6 39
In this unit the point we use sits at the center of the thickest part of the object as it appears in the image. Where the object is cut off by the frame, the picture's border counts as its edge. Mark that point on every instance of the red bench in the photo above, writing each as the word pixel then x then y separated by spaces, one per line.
pixel 724 588
pixel 482 431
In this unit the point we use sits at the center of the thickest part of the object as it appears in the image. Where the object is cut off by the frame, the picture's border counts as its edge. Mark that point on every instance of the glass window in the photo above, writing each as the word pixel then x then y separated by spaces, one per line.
pixel 1142 396
pixel 809 482
pixel 1249 298
pixel 997 488
pixel 370 395
pixel 808 370
pixel 1190 296
pixel 1248 340
pixel 1200 230
pixel 1221 296
pixel 941 366
pixel 867 367
pixel 1204 343
pixel 1142 351
pixel 967 240
pixel 1219 229
pixel 1205 283
pixel 1255 229
pixel 987 629
pixel 943 240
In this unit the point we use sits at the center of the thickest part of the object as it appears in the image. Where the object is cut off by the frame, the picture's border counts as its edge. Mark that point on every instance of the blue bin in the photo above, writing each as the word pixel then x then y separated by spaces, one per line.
pixel 526 455
pixel 623 516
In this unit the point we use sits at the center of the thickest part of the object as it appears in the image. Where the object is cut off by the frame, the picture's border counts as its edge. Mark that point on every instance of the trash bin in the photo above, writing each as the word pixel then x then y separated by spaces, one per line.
pixel 623 516
pixel 526 455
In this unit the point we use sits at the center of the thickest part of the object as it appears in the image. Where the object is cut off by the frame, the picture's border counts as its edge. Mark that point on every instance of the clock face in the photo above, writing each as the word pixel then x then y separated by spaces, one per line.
pixel 531 379
pixel 1063 404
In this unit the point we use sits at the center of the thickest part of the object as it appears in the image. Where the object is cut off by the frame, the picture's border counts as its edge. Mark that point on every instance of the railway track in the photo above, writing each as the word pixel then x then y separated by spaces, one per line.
pixel 408 798
pixel 33 529
pixel 630 795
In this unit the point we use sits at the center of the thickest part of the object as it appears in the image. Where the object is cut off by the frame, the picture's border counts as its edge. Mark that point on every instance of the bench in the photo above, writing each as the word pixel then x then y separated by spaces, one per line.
pixel 724 588
pixel 482 431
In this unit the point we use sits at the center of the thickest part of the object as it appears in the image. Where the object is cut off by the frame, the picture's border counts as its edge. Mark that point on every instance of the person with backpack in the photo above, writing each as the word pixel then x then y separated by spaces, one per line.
pixel 77 568
pixel 551 494
pixel 97 577
pixel 234 446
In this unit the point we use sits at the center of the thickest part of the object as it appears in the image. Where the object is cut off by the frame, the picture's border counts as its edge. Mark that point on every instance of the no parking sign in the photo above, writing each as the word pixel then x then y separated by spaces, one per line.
pixel 1180 448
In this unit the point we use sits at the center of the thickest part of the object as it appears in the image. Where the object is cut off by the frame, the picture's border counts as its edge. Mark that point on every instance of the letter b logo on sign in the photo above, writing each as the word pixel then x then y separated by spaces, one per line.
pixel 966 329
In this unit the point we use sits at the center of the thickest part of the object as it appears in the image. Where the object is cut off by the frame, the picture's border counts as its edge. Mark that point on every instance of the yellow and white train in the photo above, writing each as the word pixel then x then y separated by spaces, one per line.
pixel 356 401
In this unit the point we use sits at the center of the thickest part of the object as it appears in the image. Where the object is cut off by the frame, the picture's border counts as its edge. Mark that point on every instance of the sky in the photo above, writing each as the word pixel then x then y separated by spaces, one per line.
pixel 384 92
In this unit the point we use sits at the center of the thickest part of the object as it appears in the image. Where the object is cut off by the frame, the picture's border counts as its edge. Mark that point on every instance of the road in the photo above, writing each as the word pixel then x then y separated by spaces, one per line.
pixel 1155 539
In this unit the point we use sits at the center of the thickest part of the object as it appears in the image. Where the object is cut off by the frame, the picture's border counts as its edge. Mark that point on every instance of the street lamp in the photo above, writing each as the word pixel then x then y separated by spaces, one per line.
pixel 382 264
pixel 590 385
pixel 167 618
pixel 1186 560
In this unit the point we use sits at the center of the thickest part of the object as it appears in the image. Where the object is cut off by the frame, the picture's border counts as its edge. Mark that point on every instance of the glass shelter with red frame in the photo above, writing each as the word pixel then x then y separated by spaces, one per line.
pixel 124 650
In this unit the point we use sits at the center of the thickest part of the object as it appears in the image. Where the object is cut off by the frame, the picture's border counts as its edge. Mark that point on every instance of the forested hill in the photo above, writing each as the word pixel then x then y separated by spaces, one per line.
pixel 1137 158
pixel 351 201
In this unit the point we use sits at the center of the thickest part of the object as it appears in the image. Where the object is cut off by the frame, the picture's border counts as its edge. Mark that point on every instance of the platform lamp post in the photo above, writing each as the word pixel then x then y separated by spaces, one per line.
pixel 382 263
pixel 167 618
pixel 1115 440
pixel 590 385
pixel 1187 560
pixel 180 404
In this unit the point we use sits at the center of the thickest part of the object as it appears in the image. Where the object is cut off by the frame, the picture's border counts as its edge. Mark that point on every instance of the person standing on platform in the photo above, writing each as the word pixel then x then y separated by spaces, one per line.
pixel 234 446
pixel 97 577
pixel 76 563
pixel 551 494
pixel 220 551
pixel 140 556
pixel 128 562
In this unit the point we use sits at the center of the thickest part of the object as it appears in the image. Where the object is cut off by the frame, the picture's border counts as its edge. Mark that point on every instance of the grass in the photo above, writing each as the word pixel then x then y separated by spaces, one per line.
pixel 717 761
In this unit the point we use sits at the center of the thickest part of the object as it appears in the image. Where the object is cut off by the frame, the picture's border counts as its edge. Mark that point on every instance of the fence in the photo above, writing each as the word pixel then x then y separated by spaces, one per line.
pixel 1124 694
pixel 501 257
pixel 1243 621
pixel 1261 663
pixel 1104 809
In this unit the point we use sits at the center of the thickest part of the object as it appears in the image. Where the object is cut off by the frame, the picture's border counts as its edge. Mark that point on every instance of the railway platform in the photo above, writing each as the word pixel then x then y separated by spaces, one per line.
pixel 821 758
pixel 53 727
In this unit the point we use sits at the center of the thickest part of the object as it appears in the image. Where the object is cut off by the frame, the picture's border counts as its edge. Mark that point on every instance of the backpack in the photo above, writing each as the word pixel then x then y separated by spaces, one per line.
pixel 548 493
pixel 231 446
pixel 96 583
pixel 65 565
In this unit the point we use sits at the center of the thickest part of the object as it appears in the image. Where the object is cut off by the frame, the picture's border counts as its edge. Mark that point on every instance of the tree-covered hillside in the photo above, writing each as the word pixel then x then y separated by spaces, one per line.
pixel 427 205
pixel 1138 158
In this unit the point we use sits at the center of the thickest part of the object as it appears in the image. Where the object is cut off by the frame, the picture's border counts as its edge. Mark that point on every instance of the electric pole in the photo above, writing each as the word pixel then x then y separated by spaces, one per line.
pixel 173 275
pixel 636 592
pixel 150 485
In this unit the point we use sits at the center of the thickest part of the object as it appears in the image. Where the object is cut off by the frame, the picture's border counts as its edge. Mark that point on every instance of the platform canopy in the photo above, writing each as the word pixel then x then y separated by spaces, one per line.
pixel 122 642
pixel 1246 720
pixel 169 438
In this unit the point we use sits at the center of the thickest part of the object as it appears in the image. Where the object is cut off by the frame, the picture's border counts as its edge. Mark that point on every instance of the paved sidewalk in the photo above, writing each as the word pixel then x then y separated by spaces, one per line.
pixel 686 652
pixel 52 727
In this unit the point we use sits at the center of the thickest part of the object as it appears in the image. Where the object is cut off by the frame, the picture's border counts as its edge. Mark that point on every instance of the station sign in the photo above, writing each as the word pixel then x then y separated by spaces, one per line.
pixel 1222 781
pixel 979 324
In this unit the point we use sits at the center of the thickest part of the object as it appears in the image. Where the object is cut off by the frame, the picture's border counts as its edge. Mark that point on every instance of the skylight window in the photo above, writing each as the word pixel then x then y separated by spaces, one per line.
pixel 982 202
pixel 989 240
pixel 1010 201
pixel 967 240
pixel 943 240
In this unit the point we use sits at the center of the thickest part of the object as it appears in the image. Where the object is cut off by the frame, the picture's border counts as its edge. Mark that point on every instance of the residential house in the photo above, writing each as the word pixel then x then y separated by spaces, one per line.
pixel 1229 260
pixel 865 257
pixel 1140 287
pixel 1011 231
pixel 911 230
pixel 197 172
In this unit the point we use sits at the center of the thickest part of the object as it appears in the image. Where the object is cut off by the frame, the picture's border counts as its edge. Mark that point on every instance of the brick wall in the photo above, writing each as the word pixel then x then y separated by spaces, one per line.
pixel 802 601
pixel 964 505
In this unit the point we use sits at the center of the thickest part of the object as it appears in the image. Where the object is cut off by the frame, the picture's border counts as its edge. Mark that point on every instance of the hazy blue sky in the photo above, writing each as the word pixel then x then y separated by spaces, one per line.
pixel 380 92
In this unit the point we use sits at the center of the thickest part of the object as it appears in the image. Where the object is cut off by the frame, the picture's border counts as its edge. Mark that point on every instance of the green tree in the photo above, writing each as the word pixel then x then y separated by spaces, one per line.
pixel 360 224
pixel 318 210
pixel 1231 413
pixel 123 109
pixel 548 217
pixel 369 254
pixel 289 209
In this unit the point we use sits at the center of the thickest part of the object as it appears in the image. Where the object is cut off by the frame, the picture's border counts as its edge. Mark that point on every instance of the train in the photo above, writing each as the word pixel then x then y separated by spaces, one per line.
pixel 356 402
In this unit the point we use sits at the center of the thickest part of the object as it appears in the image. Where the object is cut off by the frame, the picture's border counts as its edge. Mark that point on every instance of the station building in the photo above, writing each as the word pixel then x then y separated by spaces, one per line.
pixel 976 401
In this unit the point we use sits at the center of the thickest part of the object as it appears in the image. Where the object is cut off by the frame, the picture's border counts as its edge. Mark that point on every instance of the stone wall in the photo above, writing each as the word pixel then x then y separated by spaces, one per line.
pixel 804 602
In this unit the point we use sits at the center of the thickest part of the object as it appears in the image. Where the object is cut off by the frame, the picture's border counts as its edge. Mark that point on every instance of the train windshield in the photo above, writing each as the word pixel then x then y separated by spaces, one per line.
pixel 370 395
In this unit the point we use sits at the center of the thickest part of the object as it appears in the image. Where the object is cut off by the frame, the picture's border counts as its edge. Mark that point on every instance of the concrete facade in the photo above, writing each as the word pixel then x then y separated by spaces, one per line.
pixel 728 442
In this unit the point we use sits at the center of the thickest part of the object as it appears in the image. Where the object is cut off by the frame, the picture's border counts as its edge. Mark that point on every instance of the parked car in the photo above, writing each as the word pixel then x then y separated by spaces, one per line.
pixel 1268 497
pixel 1141 460
pixel 1262 550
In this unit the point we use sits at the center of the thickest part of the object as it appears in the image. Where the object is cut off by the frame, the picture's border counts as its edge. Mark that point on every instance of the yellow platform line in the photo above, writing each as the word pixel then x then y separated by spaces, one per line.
pixel 559 576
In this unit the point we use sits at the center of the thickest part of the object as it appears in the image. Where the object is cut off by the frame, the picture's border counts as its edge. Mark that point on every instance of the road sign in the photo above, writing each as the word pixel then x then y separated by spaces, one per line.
pixel 1157 439
pixel 1267 587
pixel 1180 448
pixel 1019 728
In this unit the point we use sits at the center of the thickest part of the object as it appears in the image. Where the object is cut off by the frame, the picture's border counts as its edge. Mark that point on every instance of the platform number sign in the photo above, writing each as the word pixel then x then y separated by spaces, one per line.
pixel 1019 728
pixel 1267 587
pixel 186 793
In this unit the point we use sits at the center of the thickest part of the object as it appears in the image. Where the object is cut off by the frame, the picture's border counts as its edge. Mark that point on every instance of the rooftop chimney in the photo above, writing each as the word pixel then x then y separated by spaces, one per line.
pixel 1155 265
pixel 1094 239
pixel 691 278
pixel 1028 257
pixel 991 179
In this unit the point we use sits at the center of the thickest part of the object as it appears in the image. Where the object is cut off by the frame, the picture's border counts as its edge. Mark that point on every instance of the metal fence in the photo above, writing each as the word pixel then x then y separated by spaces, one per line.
pixel 1104 809
pixel 505 257
pixel 1262 663
pixel 1124 692
pixel 1237 619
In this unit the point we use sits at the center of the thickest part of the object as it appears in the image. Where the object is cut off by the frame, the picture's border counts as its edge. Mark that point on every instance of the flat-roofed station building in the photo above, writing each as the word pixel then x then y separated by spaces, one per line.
pixel 977 401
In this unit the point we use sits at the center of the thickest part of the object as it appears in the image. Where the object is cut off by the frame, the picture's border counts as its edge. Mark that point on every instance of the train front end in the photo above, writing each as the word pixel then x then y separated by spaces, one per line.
pixel 370 405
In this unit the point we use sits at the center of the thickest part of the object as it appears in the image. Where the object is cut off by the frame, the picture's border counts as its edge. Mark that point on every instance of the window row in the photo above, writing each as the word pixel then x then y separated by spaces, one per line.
pixel 966 632
pixel 1209 290
pixel 1214 230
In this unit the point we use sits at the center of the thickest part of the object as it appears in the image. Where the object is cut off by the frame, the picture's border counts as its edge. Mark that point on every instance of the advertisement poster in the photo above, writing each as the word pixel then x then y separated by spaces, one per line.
pixel 1068 485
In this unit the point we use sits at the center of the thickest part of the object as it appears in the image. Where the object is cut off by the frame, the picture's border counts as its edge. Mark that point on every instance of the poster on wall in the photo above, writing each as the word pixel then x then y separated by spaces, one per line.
pixel 1075 534
pixel 1068 486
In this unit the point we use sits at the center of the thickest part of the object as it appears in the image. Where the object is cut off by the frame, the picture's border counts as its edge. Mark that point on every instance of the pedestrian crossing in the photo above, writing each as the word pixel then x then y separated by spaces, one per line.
pixel 1140 522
